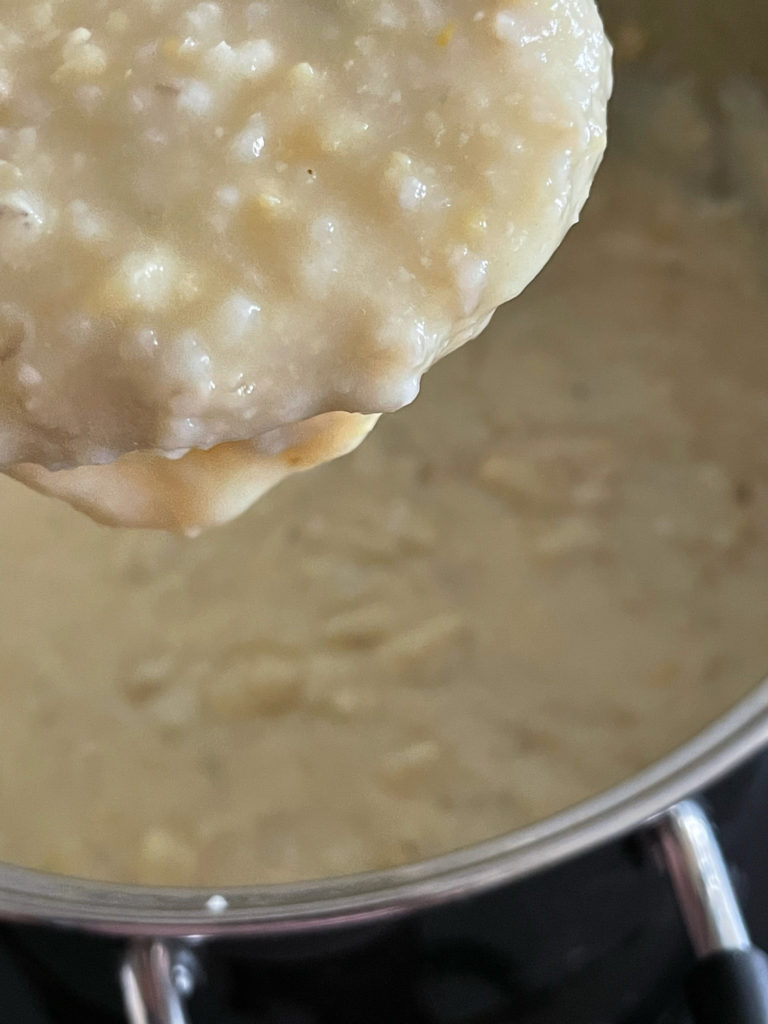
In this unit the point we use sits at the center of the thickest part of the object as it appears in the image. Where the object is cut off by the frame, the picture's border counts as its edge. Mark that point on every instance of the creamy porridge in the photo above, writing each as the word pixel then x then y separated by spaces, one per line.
pixel 262 222
pixel 548 571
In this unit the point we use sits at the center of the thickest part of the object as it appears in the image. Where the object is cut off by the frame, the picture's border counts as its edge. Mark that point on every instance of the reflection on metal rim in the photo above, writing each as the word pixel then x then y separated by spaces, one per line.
pixel 138 910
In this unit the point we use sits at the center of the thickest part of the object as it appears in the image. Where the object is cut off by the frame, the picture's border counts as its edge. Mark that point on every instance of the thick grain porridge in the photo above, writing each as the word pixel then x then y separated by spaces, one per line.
pixel 550 570
pixel 252 227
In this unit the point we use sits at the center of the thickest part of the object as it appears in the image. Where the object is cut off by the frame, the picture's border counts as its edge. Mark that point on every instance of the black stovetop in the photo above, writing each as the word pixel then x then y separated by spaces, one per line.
pixel 595 941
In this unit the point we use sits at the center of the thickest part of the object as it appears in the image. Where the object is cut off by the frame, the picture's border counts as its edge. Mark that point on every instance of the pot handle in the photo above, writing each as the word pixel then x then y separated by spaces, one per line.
pixel 156 978
pixel 730 980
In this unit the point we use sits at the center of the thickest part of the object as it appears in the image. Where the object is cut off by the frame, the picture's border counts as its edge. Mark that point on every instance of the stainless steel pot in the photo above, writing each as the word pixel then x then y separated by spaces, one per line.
pixel 164 925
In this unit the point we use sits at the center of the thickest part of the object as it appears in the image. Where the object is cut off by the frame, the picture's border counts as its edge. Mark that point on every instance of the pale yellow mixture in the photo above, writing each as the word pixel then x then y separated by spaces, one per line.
pixel 548 571
pixel 258 224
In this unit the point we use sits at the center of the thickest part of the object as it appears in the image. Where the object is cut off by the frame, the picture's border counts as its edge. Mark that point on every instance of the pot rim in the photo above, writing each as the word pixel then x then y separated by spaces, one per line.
pixel 125 910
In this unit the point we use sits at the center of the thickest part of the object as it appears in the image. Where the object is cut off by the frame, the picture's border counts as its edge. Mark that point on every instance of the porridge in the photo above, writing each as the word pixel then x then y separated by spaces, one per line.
pixel 247 233
pixel 547 572
pixel 250 228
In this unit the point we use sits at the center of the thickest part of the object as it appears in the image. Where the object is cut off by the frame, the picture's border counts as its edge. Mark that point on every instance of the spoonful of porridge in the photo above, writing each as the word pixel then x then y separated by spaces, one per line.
pixel 234 234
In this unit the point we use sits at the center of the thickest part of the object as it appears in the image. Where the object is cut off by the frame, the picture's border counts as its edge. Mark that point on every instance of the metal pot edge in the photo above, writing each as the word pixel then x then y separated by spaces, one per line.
pixel 40 898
